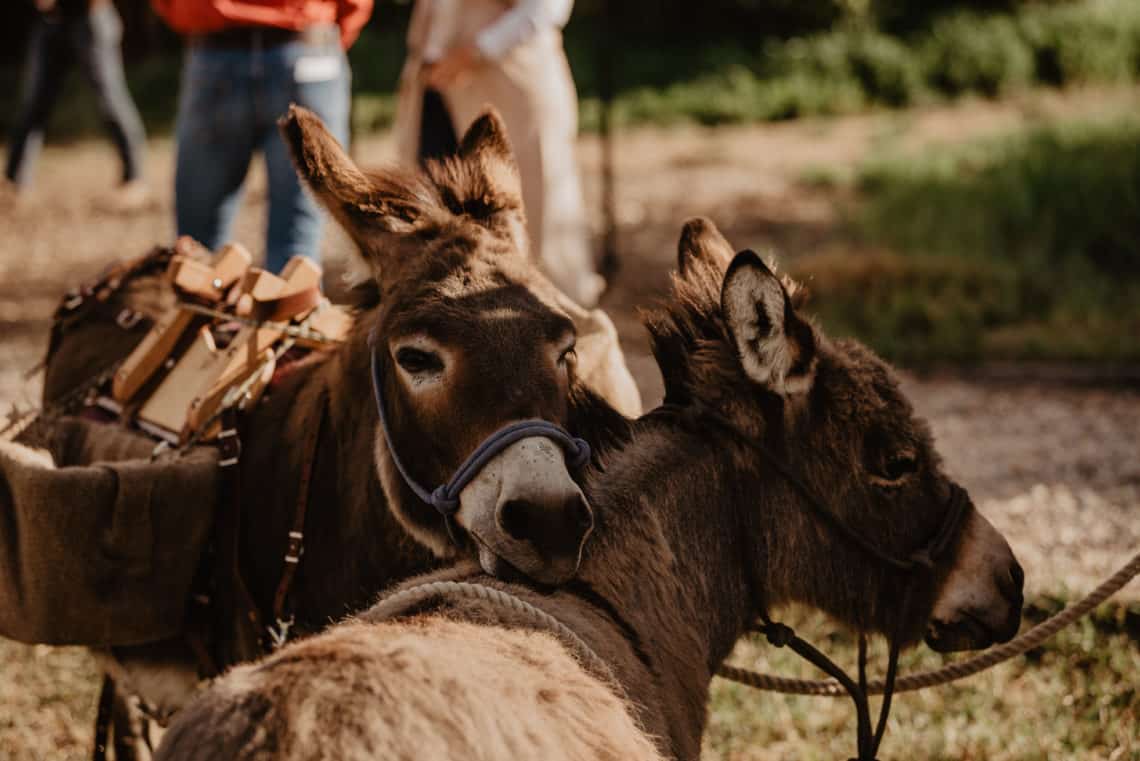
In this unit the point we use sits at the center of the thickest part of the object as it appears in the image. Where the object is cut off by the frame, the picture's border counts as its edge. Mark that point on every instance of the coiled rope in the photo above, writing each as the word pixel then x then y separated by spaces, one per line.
pixel 399 603
pixel 954 671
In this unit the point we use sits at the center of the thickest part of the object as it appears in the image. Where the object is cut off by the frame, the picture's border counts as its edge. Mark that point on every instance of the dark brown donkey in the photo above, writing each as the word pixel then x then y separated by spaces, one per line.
pixel 468 336
pixel 697 536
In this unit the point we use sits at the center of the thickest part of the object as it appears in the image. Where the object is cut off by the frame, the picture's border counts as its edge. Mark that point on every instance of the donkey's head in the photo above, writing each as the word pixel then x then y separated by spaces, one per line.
pixel 872 496
pixel 467 337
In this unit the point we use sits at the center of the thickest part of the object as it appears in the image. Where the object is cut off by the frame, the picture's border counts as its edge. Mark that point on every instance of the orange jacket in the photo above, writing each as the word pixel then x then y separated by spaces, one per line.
pixel 205 16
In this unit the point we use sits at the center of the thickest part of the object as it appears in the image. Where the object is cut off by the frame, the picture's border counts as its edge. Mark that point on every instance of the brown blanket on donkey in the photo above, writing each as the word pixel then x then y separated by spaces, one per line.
pixel 119 539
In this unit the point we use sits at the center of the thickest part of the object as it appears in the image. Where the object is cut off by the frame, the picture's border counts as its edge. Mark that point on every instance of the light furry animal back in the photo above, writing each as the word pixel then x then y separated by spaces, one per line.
pixel 418 690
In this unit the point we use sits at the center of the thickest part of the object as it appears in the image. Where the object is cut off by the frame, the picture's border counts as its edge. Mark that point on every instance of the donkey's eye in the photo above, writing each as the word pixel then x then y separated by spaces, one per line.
pixel 418 361
pixel 899 466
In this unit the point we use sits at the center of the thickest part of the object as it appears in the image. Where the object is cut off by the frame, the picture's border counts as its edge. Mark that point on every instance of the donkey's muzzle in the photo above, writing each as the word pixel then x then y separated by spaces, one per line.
pixel 526 512
pixel 980 602
pixel 556 530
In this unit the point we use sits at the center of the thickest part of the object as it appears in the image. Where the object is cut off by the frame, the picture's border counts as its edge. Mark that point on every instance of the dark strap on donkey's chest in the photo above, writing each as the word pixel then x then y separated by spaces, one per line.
pixel 240 630
pixel 283 609
pixel 237 620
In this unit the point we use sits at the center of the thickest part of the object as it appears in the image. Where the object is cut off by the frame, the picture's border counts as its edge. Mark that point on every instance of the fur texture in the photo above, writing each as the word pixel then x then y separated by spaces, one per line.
pixel 451 691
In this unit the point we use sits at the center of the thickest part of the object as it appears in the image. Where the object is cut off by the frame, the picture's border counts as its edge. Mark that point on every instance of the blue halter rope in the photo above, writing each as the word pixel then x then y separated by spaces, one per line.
pixel 445 498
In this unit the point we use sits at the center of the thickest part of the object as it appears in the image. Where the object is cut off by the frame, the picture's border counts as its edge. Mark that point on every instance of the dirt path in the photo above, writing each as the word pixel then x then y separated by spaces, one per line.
pixel 1055 467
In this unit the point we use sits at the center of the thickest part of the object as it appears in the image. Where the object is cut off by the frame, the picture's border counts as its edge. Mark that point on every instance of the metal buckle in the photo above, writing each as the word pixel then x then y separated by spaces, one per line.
pixel 128 318
pixel 279 632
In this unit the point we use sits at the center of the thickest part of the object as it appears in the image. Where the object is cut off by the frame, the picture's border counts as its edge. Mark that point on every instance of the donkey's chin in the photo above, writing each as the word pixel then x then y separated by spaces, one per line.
pixel 506 565
pixel 968 632
pixel 493 565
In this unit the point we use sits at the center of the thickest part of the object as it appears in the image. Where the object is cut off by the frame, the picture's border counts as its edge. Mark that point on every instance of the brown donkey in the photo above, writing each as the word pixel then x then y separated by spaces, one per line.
pixel 697 536
pixel 467 336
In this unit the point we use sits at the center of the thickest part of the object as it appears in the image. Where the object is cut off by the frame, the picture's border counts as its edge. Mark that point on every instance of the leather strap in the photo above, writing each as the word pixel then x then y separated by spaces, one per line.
pixel 282 605
pixel 237 621
pixel 103 720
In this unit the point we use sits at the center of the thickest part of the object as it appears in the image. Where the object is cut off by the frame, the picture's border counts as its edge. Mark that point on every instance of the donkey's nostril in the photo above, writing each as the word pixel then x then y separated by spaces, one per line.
pixel 1017 574
pixel 515 518
pixel 1012 583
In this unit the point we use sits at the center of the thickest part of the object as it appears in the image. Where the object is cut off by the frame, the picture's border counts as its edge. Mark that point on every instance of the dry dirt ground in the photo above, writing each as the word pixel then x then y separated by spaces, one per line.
pixel 1053 465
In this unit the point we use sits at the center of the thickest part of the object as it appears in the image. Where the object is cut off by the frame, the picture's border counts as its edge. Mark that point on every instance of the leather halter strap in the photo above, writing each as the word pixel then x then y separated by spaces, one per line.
pixel 922 558
pixel 445 498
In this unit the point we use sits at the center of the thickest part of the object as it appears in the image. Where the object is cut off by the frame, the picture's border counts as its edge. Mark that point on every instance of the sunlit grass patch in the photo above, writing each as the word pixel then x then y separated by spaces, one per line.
pixel 1077 697
pixel 1020 247
pixel 47 702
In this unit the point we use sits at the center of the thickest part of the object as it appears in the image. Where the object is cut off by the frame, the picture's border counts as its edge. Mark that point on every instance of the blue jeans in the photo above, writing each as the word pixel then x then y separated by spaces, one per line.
pixel 92 41
pixel 230 102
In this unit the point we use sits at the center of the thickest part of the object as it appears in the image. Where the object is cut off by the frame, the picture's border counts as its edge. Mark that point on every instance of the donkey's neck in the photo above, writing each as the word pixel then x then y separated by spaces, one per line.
pixel 672 558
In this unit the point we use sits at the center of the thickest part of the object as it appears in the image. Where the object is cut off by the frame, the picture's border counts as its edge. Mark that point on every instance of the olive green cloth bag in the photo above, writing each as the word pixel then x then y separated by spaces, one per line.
pixel 99 545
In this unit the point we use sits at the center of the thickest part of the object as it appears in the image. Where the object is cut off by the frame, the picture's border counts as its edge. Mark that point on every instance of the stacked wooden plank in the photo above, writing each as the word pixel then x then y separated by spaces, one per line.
pixel 219 346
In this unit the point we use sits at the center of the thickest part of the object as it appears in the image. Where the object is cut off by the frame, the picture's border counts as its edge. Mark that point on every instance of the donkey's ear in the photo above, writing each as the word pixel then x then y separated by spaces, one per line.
pixel 486 144
pixel 702 241
pixel 776 347
pixel 361 204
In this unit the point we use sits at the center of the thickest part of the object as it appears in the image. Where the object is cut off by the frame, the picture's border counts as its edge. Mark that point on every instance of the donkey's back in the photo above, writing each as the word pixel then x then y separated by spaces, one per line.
pixel 426 688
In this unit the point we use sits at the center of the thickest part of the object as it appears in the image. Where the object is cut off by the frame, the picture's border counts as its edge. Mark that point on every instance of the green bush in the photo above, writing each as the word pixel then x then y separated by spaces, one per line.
pixel 889 72
pixel 1061 197
pixel 970 53
pixel 914 310
pixel 1056 210
pixel 882 67
pixel 1089 42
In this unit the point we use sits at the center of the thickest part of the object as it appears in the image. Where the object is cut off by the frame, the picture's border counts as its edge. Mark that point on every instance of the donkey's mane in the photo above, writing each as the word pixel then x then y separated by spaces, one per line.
pixel 479 190
pixel 472 188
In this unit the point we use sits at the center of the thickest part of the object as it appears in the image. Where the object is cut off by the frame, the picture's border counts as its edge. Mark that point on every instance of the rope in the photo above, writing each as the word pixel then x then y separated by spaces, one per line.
pixel 20 420
pixel 301 331
pixel 396 604
pixel 954 671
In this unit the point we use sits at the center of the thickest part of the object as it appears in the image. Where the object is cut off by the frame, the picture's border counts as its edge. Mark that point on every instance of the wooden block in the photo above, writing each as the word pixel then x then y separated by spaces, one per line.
pixel 168 405
pixel 188 247
pixel 210 281
pixel 331 321
pixel 193 279
pixel 193 390
pixel 247 349
pixel 202 410
pixel 190 275
pixel 231 263
pixel 151 352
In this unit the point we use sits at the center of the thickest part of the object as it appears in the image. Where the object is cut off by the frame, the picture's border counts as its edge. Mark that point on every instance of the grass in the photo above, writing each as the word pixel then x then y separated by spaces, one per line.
pixel 1022 247
pixel 49 697
pixel 1075 698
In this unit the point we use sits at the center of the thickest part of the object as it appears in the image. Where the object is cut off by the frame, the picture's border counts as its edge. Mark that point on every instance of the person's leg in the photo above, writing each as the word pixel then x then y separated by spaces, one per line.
pixel 48 59
pixel 97 40
pixel 215 136
pixel 437 132
pixel 317 78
